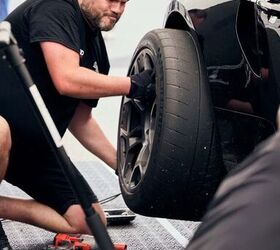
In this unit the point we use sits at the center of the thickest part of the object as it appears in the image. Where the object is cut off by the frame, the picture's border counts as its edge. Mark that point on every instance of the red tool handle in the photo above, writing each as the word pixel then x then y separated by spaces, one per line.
pixel 120 246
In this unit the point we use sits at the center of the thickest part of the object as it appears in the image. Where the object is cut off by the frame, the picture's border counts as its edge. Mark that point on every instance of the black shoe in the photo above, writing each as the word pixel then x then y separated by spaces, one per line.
pixel 4 243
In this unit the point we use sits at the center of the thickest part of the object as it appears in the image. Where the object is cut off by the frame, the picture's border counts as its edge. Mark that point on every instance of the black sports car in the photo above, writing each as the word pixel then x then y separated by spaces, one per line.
pixel 217 69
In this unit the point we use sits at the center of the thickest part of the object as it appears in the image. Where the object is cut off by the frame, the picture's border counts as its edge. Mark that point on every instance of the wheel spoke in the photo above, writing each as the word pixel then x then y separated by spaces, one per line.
pixel 125 100
pixel 152 120
pixel 127 172
pixel 148 64
pixel 136 176
pixel 123 133
pixel 135 69
pixel 133 142
pixel 139 105
pixel 143 157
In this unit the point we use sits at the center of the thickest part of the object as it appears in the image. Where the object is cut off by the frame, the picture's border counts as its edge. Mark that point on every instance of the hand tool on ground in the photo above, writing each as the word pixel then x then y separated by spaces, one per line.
pixel 70 242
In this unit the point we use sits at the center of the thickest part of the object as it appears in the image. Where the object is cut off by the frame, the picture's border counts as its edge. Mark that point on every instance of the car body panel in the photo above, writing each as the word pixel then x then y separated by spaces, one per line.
pixel 240 44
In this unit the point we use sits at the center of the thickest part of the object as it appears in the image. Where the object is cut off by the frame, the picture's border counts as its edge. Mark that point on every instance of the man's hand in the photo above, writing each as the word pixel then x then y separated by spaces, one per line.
pixel 143 85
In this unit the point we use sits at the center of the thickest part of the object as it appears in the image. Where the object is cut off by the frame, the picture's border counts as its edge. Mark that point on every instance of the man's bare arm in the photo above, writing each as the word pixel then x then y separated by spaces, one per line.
pixel 84 127
pixel 72 80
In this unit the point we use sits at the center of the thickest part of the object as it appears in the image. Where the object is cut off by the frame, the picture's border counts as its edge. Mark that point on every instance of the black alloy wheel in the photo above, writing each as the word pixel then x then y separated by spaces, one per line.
pixel 137 129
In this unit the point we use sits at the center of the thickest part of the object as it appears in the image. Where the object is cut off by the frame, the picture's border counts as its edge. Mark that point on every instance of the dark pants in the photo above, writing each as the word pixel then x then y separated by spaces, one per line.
pixel 245 212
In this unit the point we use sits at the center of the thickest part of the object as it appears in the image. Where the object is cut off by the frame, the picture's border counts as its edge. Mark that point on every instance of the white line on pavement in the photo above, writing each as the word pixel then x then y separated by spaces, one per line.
pixel 173 231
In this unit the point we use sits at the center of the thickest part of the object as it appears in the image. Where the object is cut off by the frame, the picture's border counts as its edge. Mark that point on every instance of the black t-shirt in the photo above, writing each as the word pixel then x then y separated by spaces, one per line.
pixel 58 21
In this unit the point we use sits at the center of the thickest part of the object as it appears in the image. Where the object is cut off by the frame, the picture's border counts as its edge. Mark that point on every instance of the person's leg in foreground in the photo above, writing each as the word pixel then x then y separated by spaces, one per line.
pixel 5 146
pixel 244 214
pixel 62 212
pixel 54 205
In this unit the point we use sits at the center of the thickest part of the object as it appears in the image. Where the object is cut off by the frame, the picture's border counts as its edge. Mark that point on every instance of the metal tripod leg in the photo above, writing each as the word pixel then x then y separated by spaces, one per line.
pixel 9 44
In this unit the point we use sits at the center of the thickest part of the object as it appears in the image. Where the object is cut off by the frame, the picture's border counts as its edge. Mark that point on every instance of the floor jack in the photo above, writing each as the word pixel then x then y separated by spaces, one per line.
pixel 15 59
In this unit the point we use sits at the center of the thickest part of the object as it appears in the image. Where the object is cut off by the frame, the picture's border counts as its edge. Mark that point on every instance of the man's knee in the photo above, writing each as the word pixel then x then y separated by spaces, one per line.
pixel 5 136
pixel 5 146
pixel 76 218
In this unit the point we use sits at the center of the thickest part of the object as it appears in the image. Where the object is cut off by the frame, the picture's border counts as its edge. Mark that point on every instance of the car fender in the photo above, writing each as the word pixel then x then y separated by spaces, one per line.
pixel 177 17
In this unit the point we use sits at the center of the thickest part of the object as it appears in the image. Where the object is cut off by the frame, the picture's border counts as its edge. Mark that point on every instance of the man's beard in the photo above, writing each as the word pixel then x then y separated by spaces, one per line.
pixel 95 21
